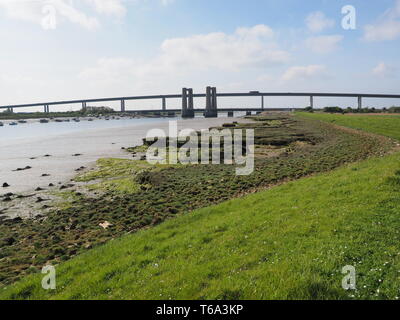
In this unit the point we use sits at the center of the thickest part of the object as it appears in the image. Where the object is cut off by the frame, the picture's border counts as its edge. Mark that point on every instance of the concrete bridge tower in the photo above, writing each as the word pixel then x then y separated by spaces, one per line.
pixel 211 103
pixel 187 103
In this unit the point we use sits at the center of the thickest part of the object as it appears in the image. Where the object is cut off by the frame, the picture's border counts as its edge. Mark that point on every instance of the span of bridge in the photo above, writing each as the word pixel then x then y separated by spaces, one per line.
pixel 211 96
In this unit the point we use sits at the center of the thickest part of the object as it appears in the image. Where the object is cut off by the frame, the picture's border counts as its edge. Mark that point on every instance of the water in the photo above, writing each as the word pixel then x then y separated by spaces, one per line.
pixel 33 130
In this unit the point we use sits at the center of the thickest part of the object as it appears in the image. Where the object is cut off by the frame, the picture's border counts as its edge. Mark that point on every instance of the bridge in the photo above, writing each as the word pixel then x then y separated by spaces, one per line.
pixel 211 101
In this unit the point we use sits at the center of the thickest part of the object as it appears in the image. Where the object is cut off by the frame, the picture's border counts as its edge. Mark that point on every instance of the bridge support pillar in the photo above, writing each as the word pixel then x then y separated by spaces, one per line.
pixel 211 103
pixel 312 102
pixel 359 103
pixel 84 106
pixel 187 103
pixel 164 104
pixel 262 103
pixel 122 105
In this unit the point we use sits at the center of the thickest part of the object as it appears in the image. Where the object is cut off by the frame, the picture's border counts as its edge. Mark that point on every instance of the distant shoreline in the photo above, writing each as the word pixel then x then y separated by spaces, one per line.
pixel 75 114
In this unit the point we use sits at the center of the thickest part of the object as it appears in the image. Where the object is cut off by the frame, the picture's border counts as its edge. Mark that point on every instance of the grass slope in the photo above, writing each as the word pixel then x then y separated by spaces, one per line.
pixel 384 125
pixel 135 196
pixel 288 242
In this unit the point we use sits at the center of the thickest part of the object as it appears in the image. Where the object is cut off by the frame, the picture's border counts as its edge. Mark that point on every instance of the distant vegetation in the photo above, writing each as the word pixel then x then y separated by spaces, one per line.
pixel 336 109
pixel 90 111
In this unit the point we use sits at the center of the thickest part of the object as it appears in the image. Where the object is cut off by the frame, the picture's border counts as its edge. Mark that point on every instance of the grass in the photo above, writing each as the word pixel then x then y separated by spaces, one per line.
pixel 308 147
pixel 384 125
pixel 290 242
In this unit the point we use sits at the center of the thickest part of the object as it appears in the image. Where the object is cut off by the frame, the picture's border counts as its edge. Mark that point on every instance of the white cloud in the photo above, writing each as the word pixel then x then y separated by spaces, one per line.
pixel 304 72
pixel 383 70
pixel 324 44
pixel 38 11
pixel 244 49
pixel 386 28
pixel 317 22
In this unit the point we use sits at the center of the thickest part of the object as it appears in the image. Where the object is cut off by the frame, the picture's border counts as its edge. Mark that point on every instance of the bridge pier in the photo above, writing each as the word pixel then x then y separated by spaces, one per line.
pixel 312 102
pixel 122 105
pixel 187 103
pixel 84 106
pixel 164 104
pixel 211 103
pixel 262 103
pixel 359 102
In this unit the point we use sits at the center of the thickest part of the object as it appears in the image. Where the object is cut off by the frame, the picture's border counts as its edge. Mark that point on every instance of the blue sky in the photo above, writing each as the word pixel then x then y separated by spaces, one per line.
pixel 67 49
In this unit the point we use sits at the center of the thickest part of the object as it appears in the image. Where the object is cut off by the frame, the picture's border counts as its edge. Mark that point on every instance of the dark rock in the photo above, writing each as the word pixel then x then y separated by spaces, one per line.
pixel 10 194
pixel 45 175
pixel 5 185
pixel 9 241
pixel 22 169
pixel 39 189
pixel 76 155
pixel 39 200
pixel 47 155
pixel 51 185
pixel 66 186
pixel 7 199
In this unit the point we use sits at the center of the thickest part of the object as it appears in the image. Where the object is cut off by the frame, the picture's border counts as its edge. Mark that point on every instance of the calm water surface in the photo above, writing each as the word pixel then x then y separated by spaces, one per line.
pixel 34 130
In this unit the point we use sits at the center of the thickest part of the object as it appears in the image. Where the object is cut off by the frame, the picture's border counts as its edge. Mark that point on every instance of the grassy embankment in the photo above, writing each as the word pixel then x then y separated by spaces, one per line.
pixel 380 124
pixel 288 242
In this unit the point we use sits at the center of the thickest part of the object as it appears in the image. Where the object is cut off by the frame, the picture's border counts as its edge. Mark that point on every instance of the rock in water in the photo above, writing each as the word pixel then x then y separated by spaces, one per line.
pixel 5 185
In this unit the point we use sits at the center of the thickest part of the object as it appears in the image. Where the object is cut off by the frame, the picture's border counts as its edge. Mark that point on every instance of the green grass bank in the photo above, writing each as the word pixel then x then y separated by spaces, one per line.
pixel 289 242
pixel 380 124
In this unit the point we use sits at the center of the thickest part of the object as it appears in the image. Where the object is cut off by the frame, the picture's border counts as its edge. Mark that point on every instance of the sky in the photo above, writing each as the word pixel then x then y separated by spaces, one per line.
pixel 81 49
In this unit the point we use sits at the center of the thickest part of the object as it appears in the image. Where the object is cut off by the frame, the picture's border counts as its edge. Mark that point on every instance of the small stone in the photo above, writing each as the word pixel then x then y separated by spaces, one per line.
pixel 9 241
pixel 39 199
pixel 39 189
pixel 51 185
pixel 10 194
pixel 105 225
pixel 5 185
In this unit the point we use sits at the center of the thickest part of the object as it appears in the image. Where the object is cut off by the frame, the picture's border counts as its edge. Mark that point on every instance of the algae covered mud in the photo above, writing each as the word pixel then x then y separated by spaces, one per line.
pixel 122 196
pixel 53 151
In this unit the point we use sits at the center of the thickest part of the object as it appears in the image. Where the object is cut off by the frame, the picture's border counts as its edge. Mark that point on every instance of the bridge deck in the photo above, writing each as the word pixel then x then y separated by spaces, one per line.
pixel 178 96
